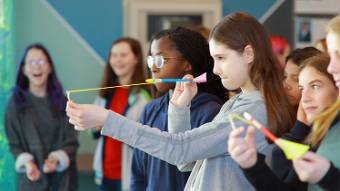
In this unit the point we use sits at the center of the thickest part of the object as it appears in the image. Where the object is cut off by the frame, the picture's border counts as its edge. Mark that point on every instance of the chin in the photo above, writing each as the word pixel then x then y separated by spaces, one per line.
pixel 229 87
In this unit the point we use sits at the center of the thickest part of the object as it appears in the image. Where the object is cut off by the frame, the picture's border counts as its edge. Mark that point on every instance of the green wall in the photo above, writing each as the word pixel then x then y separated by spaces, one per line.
pixel 7 70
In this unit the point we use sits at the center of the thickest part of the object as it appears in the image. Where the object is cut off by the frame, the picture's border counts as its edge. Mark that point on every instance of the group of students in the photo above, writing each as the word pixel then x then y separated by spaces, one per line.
pixel 183 139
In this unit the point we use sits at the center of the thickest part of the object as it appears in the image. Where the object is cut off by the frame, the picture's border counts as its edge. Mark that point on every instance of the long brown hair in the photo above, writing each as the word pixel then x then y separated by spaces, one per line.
pixel 238 30
pixel 324 120
pixel 111 79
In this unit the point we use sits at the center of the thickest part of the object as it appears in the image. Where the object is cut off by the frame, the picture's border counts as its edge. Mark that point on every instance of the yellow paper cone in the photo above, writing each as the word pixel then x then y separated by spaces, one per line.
pixel 291 149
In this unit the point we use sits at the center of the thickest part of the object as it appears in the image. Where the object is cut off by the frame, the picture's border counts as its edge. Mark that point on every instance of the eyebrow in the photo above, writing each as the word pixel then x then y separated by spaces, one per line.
pixel 218 55
pixel 313 81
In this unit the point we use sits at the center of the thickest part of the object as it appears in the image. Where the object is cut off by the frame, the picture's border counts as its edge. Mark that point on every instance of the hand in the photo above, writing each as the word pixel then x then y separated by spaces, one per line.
pixel 184 92
pixel 311 167
pixel 86 116
pixel 301 115
pixel 243 150
pixel 32 171
pixel 50 165
pixel 99 128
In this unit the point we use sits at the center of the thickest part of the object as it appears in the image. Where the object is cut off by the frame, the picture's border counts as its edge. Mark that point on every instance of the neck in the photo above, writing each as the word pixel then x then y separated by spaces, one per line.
pixel 39 91
pixel 248 87
pixel 123 80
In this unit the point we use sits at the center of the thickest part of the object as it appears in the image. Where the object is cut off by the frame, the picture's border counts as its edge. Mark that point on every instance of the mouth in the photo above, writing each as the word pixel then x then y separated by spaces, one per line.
pixel 38 75
pixel 310 109
pixel 119 66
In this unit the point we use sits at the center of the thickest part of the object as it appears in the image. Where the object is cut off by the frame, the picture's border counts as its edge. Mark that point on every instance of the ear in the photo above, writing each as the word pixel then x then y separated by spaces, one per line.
pixel 24 70
pixel 188 67
pixel 248 53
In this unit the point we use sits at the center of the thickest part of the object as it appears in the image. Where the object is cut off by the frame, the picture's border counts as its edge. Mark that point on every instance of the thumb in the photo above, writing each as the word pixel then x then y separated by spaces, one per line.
pixel 71 104
pixel 188 85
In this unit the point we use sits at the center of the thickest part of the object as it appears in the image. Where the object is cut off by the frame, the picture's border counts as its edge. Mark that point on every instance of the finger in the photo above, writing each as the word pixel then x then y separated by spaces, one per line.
pixel 234 142
pixel 240 149
pixel 234 137
pixel 247 155
pixel 188 77
pixel 309 156
pixel 236 133
pixel 74 122
pixel 71 112
pixel 250 136
pixel 301 164
pixel 178 86
pixel 79 128
pixel 189 85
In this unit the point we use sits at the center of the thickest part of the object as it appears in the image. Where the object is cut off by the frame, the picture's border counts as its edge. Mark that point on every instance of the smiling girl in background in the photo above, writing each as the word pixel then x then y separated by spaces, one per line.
pixel 42 141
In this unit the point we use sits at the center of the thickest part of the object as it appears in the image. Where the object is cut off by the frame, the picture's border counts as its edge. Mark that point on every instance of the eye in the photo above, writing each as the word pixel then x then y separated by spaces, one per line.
pixel 300 88
pixel 315 87
pixel 220 58
pixel 295 78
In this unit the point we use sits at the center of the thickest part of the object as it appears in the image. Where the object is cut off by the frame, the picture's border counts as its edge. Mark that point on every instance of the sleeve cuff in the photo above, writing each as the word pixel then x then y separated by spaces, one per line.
pixel 259 165
pixel 63 159
pixel 178 118
pixel 330 178
pixel 21 160
pixel 178 110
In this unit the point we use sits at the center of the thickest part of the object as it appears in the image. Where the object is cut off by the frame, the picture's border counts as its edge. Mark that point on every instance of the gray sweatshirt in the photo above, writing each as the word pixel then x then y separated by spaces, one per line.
pixel 207 145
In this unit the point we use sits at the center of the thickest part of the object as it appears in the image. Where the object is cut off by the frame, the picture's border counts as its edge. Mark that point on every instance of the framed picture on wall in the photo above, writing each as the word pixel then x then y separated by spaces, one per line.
pixel 308 30
pixel 304 27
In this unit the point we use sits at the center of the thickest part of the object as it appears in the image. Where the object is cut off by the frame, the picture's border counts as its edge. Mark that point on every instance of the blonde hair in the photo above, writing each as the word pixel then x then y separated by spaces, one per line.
pixel 322 123
pixel 334 27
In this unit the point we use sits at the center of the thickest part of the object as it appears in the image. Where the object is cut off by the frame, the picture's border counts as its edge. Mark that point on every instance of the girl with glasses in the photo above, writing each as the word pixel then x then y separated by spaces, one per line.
pixel 40 137
pixel 172 57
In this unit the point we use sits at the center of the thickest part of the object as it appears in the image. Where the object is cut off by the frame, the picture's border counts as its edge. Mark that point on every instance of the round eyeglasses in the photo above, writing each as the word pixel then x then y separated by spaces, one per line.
pixel 158 60
pixel 38 62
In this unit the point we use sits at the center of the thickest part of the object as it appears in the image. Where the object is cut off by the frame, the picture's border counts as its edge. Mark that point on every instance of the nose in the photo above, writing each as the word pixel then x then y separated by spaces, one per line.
pixel 333 67
pixel 305 96
pixel 216 70
pixel 286 85
pixel 154 69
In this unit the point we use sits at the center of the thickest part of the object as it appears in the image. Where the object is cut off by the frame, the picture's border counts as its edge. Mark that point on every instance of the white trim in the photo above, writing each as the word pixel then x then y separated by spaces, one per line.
pixel 74 33
pixel 270 11
pixel 136 12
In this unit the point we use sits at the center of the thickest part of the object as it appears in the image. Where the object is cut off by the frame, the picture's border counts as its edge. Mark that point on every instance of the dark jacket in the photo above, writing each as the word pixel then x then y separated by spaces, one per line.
pixel 152 174
pixel 24 137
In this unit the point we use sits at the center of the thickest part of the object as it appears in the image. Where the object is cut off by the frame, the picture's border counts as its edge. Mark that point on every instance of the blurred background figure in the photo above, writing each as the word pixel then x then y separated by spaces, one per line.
pixel 204 31
pixel 280 48
pixel 112 160
pixel 321 45
pixel 40 137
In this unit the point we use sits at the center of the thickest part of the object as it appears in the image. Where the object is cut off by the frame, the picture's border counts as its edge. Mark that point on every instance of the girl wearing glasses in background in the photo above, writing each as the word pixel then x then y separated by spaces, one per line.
pixel 42 141
pixel 173 57
pixel 112 160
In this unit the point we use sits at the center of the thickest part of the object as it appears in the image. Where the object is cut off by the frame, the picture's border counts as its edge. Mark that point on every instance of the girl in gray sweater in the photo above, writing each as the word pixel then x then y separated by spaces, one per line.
pixel 242 59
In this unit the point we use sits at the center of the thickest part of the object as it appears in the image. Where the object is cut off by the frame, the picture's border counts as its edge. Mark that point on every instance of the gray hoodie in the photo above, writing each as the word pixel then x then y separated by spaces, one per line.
pixel 207 145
